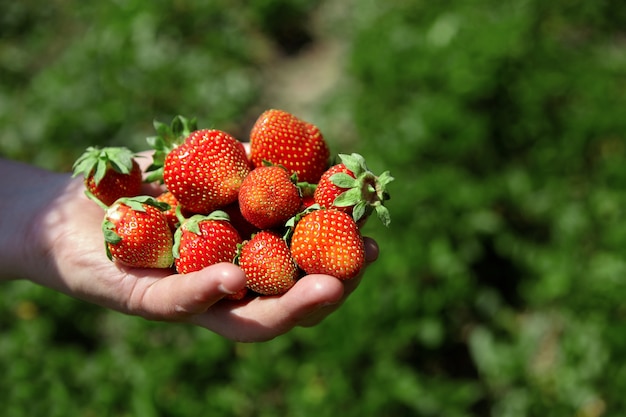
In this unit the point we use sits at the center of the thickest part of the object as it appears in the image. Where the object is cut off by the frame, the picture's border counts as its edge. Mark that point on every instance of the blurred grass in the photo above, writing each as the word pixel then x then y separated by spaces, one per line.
pixel 500 283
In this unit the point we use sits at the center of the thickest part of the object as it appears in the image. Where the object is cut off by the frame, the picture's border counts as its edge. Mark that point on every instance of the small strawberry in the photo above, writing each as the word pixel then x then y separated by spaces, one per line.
pixel 109 173
pixel 269 197
pixel 268 264
pixel 307 201
pixel 201 241
pixel 206 171
pixel 307 191
pixel 170 214
pixel 137 234
pixel 352 188
pixel 281 138
pixel 327 241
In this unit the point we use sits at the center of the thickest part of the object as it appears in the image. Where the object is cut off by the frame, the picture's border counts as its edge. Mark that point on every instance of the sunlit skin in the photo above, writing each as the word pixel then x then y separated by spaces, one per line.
pixel 51 236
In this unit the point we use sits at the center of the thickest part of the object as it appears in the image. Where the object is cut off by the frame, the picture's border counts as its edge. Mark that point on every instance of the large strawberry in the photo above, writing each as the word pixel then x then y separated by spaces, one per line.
pixel 201 241
pixel 109 173
pixel 281 138
pixel 137 234
pixel 328 241
pixel 352 188
pixel 269 197
pixel 205 172
pixel 268 264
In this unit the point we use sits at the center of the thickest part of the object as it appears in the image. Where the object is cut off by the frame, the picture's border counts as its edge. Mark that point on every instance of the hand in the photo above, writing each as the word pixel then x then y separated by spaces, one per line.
pixel 66 253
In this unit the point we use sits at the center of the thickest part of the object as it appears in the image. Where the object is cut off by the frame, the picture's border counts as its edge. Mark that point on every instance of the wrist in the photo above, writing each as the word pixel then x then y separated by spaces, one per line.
pixel 27 197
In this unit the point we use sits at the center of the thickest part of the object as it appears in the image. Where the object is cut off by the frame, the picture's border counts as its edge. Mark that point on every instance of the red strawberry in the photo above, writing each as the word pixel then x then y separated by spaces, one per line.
pixel 352 188
pixel 268 264
pixel 170 214
pixel 281 138
pixel 137 234
pixel 307 191
pixel 328 242
pixel 167 138
pixel 268 197
pixel 206 171
pixel 307 201
pixel 109 173
pixel 201 241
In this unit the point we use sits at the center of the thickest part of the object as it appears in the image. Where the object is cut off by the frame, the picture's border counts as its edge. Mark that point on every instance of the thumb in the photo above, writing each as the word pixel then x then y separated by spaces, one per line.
pixel 177 297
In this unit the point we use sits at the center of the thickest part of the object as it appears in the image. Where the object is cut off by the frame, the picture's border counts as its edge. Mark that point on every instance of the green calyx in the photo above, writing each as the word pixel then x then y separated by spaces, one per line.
pixel 192 224
pixel 96 161
pixel 137 203
pixel 167 138
pixel 365 192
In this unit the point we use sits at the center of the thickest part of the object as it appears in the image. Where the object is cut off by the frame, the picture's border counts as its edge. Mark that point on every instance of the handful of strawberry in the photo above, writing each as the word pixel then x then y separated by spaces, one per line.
pixel 280 212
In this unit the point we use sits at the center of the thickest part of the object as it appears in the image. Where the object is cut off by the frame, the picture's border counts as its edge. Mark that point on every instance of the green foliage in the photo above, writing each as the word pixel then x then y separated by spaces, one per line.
pixel 98 74
pixel 499 287
pixel 501 121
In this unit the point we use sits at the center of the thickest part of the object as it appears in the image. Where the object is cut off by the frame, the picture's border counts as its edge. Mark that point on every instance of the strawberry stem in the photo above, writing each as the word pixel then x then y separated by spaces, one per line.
pixel 167 138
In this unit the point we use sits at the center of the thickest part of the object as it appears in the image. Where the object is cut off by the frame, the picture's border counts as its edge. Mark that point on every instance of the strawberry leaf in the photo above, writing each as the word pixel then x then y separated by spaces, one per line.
pixel 383 214
pixel 176 247
pixel 384 179
pixel 193 224
pixel 108 230
pixel 182 127
pixel 167 138
pixel 95 199
pixel 137 203
pixel 96 161
pixel 343 180
pixel 100 171
pixel 359 211
pixel 120 159
pixel 349 198
pixel 218 215
pixel 354 162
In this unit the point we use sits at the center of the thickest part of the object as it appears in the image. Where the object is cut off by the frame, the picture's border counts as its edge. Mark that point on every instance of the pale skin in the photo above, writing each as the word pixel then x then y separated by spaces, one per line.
pixel 50 235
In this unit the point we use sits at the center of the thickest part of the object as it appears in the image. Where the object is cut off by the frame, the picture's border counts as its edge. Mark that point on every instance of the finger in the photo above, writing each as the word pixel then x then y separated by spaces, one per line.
pixel 312 299
pixel 264 318
pixel 177 297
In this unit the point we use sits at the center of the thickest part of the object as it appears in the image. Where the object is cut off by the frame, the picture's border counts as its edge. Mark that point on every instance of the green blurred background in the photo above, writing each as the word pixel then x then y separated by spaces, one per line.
pixel 500 285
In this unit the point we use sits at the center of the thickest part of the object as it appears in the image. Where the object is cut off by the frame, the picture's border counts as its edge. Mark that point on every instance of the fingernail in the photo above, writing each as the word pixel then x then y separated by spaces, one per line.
pixel 224 290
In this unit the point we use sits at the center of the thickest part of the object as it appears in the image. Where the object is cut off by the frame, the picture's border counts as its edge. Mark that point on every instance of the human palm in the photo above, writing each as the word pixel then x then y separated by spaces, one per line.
pixel 70 257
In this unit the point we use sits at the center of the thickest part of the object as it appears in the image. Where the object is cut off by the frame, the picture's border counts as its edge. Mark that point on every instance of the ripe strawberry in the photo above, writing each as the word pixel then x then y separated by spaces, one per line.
pixel 352 188
pixel 327 241
pixel 281 138
pixel 206 171
pixel 307 201
pixel 109 173
pixel 167 138
pixel 137 234
pixel 201 241
pixel 268 197
pixel 268 264
pixel 170 214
